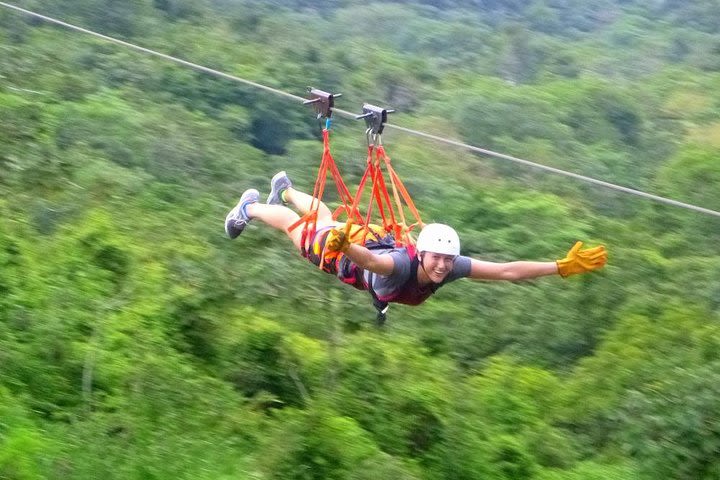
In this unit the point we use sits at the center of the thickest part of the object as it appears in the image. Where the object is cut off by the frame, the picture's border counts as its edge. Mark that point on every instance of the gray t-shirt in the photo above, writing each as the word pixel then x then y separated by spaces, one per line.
pixel 388 285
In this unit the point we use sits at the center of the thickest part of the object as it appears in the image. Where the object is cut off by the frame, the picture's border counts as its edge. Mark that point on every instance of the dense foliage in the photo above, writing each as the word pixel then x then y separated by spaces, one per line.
pixel 136 341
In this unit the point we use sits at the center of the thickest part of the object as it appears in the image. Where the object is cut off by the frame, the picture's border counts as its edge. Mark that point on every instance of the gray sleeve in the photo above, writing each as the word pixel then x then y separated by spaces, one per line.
pixel 461 269
pixel 402 263
pixel 385 285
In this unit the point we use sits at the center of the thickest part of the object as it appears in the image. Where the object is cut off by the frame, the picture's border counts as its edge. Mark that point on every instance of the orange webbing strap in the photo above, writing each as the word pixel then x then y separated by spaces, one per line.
pixel 402 230
pixel 345 196
pixel 344 193
pixel 379 196
pixel 356 203
pixel 379 193
pixel 309 219
pixel 356 199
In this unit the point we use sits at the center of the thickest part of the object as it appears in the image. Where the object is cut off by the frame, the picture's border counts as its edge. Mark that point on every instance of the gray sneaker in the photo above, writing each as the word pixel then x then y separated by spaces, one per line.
pixel 237 219
pixel 279 183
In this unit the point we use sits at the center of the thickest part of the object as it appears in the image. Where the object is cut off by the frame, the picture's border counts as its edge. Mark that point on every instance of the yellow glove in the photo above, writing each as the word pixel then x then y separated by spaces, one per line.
pixel 581 261
pixel 337 241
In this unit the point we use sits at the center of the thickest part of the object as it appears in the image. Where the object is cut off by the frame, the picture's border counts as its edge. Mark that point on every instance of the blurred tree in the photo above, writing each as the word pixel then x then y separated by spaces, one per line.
pixel 484 121
pixel 316 445
pixel 520 61
pixel 639 354
pixel 603 113
pixel 21 444
pixel 691 175
pixel 182 9
pixel 519 405
pixel 673 427
pixel 133 337
pixel 273 125
pixel 261 359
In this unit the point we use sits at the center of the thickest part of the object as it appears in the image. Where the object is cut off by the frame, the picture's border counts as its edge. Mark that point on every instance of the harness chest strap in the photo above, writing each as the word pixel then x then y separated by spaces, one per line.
pixel 380 305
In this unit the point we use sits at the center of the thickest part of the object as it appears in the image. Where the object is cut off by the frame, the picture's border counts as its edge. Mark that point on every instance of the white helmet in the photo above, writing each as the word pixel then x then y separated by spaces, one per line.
pixel 438 238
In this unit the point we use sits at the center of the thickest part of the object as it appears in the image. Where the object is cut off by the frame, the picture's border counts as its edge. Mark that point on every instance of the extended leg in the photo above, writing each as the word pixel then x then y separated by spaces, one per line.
pixel 282 191
pixel 278 217
pixel 273 212
pixel 303 202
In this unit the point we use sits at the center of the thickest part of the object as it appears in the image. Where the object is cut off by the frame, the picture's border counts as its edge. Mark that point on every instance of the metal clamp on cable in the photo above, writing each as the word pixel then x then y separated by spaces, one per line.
pixel 375 119
pixel 323 102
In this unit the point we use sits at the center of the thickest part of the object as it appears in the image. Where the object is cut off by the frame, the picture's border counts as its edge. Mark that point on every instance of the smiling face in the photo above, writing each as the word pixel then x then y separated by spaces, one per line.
pixel 434 267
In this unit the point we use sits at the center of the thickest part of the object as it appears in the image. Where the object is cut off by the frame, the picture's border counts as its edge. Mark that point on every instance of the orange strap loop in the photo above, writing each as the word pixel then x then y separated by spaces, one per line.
pixel 309 220
pixel 393 218
pixel 399 190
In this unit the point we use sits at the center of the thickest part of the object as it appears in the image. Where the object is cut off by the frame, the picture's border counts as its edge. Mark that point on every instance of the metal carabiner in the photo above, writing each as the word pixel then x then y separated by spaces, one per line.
pixel 370 136
pixel 375 118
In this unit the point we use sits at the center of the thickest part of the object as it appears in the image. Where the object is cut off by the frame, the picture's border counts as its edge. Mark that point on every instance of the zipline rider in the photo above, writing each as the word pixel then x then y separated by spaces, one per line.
pixel 409 274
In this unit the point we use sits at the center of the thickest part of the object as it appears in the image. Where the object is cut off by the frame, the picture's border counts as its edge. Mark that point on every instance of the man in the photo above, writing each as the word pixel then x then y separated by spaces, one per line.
pixel 406 275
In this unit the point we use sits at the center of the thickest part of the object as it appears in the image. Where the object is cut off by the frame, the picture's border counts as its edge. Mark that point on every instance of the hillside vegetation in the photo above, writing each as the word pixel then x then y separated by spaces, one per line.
pixel 138 342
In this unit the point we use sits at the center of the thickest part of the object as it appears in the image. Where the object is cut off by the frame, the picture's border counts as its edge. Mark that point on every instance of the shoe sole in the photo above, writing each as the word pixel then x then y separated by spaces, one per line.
pixel 274 193
pixel 236 213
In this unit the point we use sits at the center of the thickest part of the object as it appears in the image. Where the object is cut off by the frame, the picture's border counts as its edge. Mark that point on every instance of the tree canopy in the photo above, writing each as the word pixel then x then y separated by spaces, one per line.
pixel 136 341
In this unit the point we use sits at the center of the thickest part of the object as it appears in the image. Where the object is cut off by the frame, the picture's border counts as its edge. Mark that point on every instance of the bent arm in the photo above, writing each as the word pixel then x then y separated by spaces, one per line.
pixel 513 271
pixel 364 258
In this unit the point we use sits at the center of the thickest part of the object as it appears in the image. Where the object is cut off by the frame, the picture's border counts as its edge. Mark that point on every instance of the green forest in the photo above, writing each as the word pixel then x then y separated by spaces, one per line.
pixel 138 342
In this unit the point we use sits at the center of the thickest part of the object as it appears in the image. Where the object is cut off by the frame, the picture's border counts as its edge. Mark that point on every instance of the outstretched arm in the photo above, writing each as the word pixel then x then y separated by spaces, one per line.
pixel 576 261
pixel 513 271
pixel 365 259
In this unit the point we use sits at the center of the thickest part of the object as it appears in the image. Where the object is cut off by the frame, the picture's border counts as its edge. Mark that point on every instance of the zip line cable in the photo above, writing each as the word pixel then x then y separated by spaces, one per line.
pixel 558 171
pixel 352 115
pixel 152 52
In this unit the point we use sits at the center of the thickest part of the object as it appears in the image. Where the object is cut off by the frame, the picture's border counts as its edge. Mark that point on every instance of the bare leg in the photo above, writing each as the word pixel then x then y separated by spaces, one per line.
pixel 281 217
pixel 303 202
pixel 278 217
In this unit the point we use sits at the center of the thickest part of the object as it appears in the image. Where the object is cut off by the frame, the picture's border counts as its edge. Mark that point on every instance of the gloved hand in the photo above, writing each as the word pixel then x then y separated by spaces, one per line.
pixel 581 261
pixel 337 241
